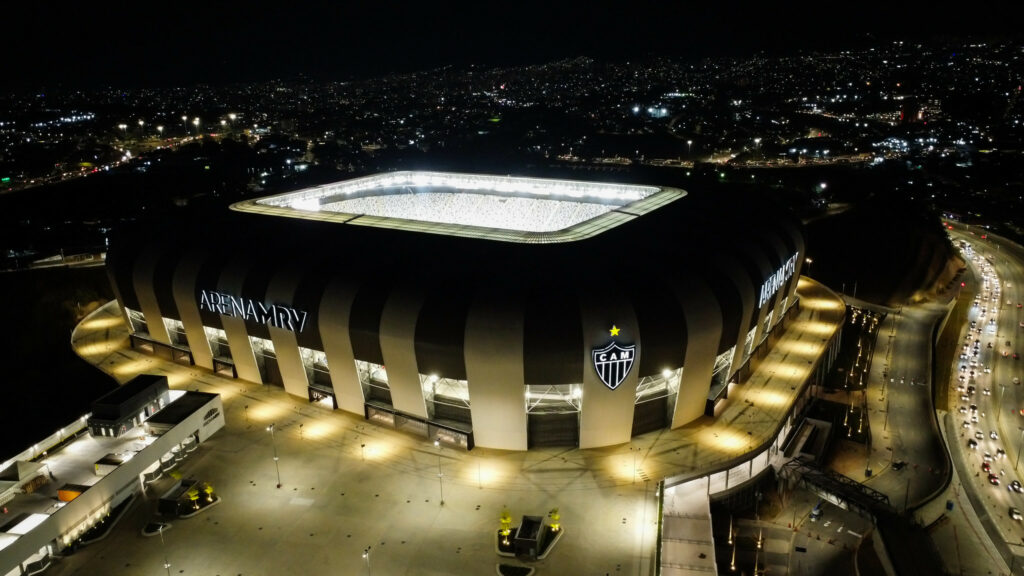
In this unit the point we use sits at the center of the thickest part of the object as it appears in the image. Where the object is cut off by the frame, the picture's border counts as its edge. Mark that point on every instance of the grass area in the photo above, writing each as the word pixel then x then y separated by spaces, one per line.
pixel 948 348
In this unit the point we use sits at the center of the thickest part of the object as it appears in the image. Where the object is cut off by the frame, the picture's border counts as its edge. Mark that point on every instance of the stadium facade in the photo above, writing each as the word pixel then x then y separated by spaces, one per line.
pixel 494 311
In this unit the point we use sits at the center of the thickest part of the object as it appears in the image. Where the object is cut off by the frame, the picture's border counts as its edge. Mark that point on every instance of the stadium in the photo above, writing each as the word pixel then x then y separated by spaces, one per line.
pixel 494 311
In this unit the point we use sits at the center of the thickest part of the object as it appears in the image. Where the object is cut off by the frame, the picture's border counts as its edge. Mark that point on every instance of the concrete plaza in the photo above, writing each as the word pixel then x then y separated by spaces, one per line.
pixel 348 484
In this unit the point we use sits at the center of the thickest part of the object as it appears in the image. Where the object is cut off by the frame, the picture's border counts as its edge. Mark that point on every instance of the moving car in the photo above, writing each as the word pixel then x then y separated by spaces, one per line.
pixel 1015 486
pixel 1015 514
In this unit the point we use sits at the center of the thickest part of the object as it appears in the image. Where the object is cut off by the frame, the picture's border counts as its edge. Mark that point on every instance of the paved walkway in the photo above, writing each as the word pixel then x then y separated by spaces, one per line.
pixel 349 484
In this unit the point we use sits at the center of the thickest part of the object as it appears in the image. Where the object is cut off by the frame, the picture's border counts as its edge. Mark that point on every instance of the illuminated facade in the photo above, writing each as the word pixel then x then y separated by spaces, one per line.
pixel 497 311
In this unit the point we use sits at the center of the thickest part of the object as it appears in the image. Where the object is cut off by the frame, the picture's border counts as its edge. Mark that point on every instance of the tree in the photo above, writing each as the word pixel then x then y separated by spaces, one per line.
pixel 555 517
pixel 193 495
pixel 506 525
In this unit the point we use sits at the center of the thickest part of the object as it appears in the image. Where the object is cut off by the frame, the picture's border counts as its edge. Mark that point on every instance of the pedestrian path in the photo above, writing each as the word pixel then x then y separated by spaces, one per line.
pixel 607 495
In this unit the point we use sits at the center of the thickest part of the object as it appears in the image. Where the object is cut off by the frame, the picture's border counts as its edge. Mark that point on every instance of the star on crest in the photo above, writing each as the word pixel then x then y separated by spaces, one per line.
pixel 615 330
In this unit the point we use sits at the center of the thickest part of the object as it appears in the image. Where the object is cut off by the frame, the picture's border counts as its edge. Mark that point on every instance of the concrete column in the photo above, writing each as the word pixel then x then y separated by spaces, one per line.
pixel 767 270
pixel 335 308
pixel 397 345
pixel 704 326
pixel 784 255
pixel 606 416
pixel 143 281
pixel 185 298
pixel 231 280
pixel 281 290
pixel 748 297
pixel 494 370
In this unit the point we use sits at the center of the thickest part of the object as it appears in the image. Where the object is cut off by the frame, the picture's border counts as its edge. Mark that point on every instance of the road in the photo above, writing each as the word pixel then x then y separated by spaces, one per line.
pixel 988 350
pixel 900 409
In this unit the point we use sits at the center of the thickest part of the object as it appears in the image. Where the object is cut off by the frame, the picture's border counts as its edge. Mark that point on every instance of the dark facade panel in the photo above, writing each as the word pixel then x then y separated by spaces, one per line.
pixel 364 322
pixel 163 283
pixel 553 337
pixel 120 267
pixel 662 327
pixel 254 287
pixel 308 295
pixel 208 279
pixel 441 331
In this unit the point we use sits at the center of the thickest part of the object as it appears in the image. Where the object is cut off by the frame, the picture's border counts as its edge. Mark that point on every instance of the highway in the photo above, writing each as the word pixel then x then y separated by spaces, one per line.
pixel 986 384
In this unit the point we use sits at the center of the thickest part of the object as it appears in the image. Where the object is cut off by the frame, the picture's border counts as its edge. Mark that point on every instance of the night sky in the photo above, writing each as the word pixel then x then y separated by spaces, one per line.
pixel 150 44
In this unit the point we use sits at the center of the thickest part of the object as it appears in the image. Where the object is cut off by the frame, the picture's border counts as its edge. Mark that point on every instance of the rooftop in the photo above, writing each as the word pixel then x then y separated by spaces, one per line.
pixel 512 209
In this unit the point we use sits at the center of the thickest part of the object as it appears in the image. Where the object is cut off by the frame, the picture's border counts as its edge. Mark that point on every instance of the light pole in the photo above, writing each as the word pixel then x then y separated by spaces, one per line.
pixel 366 556
pixel 689 146
pixel 160 131
pixel 273 443
pixel 124 131
pixel 1002 390
pixel 195 121
pixel 440 475
pixel 634 450
pixel 167 564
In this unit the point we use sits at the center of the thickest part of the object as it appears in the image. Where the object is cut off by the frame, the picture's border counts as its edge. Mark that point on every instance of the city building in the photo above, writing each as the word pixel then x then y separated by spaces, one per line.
pixel 496 311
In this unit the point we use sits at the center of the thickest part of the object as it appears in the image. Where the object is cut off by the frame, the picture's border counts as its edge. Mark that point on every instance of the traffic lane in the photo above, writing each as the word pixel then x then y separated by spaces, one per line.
pixel 912 435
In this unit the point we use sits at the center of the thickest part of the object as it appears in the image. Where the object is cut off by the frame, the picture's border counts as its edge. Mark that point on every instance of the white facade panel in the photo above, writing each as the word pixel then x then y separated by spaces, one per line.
pixel 495 371
pixel 398 346
pixel 704 327
pixel 606 417
pixel 184 290
pixel 286 346
pixel 335 309
pixel 142 281
pixel 231 281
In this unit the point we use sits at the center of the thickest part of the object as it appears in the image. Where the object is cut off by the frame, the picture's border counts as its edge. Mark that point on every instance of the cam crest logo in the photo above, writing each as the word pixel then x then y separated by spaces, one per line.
pixel 613 362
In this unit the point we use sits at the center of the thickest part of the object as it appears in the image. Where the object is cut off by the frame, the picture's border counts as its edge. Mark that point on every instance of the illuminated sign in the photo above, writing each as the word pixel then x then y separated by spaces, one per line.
pixel 613 362
pixel 777 280
pixel 275 315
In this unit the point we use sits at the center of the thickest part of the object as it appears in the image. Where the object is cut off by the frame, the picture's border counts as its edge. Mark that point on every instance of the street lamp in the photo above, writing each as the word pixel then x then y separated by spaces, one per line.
pixel 195 121
pixel 440 475
pixel 124 130
pixel 160 131
pixel 167 564
pixel 999 416
pixel 366 556
pixel 142 123
pixel 689 146
pixel 273 443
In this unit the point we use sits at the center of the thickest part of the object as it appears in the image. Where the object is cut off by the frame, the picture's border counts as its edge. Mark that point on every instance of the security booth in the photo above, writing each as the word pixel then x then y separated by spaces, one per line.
pixel 129 405
pixel 527 541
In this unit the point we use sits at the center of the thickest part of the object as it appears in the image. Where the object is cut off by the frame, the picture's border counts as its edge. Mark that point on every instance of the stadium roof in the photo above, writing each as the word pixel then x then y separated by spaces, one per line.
pixel 506 208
